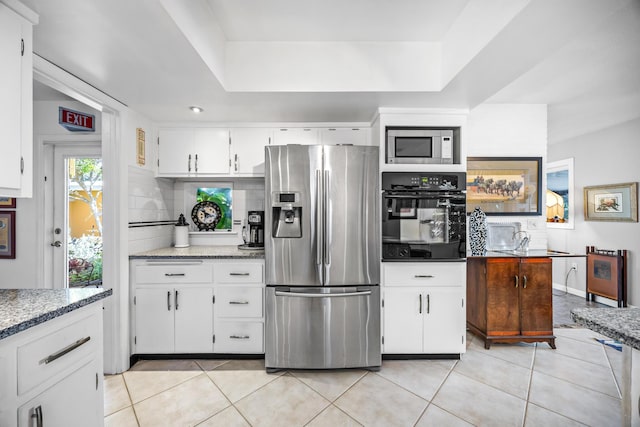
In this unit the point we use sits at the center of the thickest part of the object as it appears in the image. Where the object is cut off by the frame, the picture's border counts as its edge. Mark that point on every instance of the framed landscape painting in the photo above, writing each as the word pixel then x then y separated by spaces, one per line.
pixel 615 202
pixel 8 234
pixel 504 185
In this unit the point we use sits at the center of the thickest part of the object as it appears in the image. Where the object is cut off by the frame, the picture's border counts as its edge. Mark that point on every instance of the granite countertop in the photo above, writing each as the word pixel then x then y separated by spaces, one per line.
pixel 22 309
pixel 621 324
pixel 220 252
pixel 531 253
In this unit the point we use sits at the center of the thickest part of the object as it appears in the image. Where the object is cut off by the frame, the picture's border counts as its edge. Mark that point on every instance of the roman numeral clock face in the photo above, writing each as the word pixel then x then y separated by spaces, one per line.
pixel 206 215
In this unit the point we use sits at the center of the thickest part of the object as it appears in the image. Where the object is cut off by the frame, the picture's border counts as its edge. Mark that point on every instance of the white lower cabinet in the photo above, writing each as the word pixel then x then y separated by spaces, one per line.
pixel 197 306
pixel 424 308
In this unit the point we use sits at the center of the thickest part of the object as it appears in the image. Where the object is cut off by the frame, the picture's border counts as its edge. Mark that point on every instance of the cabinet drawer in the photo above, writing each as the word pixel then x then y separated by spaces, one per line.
pixel 238 301
pixel 174 273
pixel 56 352
pixel 425 274
pixel 239 337
pixel 250 272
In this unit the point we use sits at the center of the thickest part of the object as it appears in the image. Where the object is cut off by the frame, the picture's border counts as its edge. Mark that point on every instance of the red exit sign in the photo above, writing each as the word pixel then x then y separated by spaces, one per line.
pixel 76 121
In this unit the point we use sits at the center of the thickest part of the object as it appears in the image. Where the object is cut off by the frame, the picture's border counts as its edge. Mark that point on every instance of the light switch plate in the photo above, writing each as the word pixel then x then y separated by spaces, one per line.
pixel 532 224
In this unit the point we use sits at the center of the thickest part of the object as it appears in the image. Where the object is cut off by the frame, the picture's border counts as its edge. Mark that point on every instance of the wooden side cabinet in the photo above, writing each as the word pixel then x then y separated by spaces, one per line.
pixel 510 299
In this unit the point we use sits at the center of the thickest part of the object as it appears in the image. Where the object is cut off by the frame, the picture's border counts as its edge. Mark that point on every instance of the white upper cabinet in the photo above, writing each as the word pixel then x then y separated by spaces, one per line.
pixel 247 150
pixel 302 136
pixel 192 152
pixel 335 136
pixel 16 105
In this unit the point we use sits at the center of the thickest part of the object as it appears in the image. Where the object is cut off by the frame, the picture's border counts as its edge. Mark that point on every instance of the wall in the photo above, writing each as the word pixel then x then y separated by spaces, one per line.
pixel 509 130
pixel 22 272
pixel 608 156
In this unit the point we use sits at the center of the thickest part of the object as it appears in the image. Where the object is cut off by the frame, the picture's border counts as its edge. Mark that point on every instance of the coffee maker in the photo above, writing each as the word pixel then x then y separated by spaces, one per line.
pixel 255 221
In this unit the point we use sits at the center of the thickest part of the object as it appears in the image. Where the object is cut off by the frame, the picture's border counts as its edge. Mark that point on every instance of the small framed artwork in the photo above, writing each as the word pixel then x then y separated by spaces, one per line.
pixel 7 234
pixel 140 149
pixel 7 202
pixel 504 185
pixel 615 202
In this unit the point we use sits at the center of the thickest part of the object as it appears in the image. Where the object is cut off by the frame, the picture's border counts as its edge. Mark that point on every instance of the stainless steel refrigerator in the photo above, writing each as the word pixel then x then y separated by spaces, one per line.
pixel 322 257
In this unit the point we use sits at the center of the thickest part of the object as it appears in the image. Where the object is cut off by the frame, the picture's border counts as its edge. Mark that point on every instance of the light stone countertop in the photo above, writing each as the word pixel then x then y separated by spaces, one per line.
pixel 22 309
pixel 621 324
pixel 220 252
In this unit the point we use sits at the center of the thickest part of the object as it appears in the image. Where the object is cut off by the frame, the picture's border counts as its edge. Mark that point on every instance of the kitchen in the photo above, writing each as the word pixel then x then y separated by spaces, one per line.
pixel 498 123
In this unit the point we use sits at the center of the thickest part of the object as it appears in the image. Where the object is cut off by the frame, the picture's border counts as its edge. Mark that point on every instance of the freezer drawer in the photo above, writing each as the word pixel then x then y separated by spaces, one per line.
pixel 322 327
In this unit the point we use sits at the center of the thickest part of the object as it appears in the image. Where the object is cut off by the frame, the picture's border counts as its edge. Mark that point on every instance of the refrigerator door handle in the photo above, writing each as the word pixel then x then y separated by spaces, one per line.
pixel 327 219
pixel 319 219
pixel 337 295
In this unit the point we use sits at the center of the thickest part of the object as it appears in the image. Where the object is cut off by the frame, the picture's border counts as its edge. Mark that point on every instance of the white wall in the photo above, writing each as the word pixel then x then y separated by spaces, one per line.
pixel 22 272
pixel 510 130
pixel 608 156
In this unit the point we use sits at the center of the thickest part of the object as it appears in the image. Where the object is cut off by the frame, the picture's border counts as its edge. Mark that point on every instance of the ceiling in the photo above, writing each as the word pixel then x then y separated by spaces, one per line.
pixel 331 60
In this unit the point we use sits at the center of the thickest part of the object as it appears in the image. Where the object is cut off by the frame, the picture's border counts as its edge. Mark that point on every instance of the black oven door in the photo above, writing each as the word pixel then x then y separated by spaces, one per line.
pixel 421 225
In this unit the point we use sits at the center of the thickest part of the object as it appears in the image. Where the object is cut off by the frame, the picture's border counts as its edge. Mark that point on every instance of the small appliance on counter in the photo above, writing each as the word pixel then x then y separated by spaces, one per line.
pixel 253 232
pixel 182 233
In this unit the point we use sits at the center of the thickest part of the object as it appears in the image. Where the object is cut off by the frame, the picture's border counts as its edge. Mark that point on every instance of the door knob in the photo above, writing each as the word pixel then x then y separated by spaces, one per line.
pixel 57 243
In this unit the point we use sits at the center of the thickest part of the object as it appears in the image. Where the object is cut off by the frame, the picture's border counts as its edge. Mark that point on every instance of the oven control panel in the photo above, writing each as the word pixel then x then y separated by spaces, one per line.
pixel 429 181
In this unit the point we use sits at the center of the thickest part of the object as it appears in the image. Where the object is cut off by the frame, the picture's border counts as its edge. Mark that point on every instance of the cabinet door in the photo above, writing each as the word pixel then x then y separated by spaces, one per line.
pixel 503 303
pixel 154 320
pixel 74 401
pixel 211 151
pixel 174 149
pixel 403 320
pixel 536 306
pixel 193 320
pixel 334 136
pixel 302 136
pixel 15 107
pixel 247 150
pixel 444 321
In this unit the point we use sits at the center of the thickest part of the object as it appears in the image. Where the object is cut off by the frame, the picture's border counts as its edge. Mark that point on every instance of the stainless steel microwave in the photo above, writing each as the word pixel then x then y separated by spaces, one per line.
pixel 420 146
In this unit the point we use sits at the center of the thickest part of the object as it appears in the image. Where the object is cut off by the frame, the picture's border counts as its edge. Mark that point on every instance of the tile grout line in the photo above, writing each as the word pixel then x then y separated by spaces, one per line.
pixel 430 402
pixel 133 408
pixel 531 370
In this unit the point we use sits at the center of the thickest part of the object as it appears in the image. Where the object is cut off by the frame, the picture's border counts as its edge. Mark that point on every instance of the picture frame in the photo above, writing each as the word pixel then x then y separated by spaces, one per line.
pixel 140 146
pixel 505 185
pixel 613 202
pixel 560 195
pixel 7 234
pixel 7 202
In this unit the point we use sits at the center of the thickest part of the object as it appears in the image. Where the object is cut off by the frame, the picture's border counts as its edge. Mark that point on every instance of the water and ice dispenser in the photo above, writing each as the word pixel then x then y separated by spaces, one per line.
pixel 286 215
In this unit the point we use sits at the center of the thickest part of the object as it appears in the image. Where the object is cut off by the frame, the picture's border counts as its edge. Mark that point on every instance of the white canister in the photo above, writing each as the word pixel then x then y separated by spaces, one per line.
pixel 181 233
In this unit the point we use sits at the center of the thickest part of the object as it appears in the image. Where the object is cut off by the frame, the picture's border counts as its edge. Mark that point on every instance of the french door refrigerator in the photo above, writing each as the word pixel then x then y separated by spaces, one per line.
pixel 322 257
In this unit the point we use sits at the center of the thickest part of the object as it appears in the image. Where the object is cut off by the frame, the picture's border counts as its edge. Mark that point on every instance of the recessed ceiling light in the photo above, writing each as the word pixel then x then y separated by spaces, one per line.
pixel 196 109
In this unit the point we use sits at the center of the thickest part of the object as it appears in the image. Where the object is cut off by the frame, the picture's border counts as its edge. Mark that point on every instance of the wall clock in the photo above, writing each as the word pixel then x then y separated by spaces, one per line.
pixel 206 215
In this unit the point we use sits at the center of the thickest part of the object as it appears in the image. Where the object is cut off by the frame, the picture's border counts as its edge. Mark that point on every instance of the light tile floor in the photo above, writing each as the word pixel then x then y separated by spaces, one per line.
pixel 508 385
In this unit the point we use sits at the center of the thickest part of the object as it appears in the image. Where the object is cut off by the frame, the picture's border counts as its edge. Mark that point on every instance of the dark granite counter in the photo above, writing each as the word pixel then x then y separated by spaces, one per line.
pixel 211 252
pixel 22 309
pixel 622 324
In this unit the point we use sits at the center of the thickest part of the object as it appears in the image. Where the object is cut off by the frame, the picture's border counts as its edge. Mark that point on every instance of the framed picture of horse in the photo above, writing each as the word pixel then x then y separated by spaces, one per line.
pixel 504 185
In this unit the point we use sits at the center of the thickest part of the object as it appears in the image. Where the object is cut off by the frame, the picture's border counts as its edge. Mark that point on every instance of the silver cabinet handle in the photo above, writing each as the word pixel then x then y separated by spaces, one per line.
pixel 327 219
pixel 420 305
pixel 304 295
pixel 168 300
pixel 239 337
pixel 174 274
pixel 57 243
pixel 67 349
pixel 239 274
pixel 196 163
pixel 189 164
pixel 428 304
pixel 176 299
pixel 236 163
pixel 239 302
pixel 517 280
pixel 318 217
pixel 423 276
pixel 37 414
pixel 524 282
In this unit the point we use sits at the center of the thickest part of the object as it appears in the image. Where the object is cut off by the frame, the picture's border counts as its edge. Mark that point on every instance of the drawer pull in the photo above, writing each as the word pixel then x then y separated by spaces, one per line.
pixel 423 276
pixel 239 337
pixel 517 280
pixel 524 282
pixel 239 274
pixel 64 351
pixel 37 414
pixel 239 302
pixel 174 274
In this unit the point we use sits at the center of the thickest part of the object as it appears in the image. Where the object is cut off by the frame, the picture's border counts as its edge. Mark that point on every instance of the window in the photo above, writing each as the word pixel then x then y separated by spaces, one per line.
pixel 560 194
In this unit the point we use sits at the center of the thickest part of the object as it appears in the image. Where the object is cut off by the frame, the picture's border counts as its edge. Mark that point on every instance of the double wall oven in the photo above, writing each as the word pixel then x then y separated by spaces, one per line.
pixel 423 216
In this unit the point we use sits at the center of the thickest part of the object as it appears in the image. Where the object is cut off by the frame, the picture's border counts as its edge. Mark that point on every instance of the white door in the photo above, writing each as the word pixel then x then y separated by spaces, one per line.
pixel 193 320
pixel 154 320
pixel 403 320
pixel 73 223
pixel 174 149
pixel 247 150
pixel 302 136
pixel 444 320
pixel 335 136
pixel 211 151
